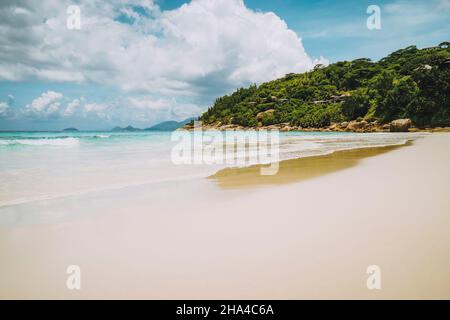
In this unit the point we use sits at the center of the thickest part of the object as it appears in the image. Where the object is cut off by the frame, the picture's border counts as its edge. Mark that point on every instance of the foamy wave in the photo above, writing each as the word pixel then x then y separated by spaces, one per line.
pixel 64 142
pixel 303 145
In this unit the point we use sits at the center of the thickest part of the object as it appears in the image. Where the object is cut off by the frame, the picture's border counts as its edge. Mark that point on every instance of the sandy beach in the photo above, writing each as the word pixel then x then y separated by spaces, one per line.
pixel 294 238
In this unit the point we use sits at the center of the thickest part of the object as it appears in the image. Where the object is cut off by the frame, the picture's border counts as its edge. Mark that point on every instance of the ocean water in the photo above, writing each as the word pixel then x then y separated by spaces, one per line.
pixel 41 166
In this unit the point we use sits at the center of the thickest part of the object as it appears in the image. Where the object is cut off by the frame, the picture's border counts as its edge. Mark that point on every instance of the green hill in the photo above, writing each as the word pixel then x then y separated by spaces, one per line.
pixel 409 83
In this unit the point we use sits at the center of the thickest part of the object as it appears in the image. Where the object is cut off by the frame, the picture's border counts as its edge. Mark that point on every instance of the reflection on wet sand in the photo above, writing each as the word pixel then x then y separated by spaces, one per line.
pixel 296 170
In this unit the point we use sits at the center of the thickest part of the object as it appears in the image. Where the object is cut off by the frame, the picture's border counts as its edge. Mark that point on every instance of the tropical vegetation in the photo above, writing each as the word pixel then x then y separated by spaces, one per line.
pixel 409 83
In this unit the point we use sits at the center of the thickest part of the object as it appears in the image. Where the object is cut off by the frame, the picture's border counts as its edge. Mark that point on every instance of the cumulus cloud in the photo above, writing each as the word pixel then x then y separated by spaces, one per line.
pixel 72 107
pixel 99 110
pixel 194 53
pixel 143 109
pixel 5 110
pixel 46 105
pixel 53 104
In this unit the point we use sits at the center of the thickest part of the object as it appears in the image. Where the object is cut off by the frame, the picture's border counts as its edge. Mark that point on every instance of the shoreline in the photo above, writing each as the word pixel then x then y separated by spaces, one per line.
pixel 299 169
pixel 349 127
pixel 282 129
pixel 224 175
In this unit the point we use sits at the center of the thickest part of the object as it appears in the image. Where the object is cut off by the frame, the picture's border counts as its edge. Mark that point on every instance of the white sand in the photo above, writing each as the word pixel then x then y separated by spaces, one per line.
pixel 312 239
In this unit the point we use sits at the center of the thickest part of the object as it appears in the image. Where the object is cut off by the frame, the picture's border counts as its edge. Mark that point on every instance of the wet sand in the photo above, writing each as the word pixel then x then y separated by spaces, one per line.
pixel 305 239
pixel 297 170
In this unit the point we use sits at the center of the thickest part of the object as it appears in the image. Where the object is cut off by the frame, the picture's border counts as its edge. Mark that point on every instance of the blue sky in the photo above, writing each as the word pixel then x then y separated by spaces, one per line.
pixel 143 62
pixel 322 25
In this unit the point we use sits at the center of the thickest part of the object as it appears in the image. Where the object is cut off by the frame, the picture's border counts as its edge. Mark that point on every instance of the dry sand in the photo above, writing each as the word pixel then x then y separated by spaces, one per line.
pixel 310 238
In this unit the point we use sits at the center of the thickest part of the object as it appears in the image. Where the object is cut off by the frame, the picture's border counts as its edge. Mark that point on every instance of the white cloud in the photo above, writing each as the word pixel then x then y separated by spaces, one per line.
pixel 139 109
pixel 99 110
pixel 194 53
pixel 53 104
pixel 72 107
pixel 45 100
pixel 147 109
pixel 47 104
pixel 5 110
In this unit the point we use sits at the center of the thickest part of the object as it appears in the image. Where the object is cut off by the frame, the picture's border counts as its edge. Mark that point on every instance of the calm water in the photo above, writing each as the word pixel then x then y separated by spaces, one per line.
pixel 37 166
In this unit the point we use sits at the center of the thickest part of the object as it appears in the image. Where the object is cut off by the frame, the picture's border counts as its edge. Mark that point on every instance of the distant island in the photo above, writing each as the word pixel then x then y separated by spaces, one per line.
pixel 410 84
pixel 70 130
pixel 126 129
pixel 169 125
pixel 163 126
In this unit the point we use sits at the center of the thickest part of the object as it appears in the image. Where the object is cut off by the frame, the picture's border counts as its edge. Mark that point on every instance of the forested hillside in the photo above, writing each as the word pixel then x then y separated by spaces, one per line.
pixel 409 83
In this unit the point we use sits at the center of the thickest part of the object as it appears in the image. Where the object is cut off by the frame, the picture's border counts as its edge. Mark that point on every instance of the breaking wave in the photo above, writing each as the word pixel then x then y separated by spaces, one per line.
pixel 58 142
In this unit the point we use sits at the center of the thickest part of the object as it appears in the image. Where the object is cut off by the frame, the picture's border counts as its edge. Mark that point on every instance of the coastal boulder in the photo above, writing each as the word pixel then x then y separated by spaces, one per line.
pixel 400 125
pixel 230 127
pixel 264 114
pixel 287 128
pixel 333 126
pixel 356 126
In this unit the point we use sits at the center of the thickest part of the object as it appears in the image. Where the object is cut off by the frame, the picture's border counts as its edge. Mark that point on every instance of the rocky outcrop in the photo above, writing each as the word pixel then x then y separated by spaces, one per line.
pixel 214 126
pixel 286 127
pixel 230 127
pixel 400 125
pixel 357 126
pixel 260 116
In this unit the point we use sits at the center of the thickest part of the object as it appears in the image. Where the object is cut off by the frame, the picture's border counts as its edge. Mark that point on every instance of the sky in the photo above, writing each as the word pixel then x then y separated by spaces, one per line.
pixel 140 62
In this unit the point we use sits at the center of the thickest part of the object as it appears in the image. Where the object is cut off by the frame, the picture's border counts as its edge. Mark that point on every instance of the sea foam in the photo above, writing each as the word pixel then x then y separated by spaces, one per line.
pixel 59 142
